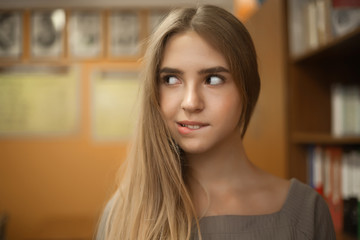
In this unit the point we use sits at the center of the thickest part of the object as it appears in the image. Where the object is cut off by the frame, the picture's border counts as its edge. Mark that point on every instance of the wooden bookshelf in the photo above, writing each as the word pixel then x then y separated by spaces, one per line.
pixel 310 76
pixel 345 45
pixel 323 139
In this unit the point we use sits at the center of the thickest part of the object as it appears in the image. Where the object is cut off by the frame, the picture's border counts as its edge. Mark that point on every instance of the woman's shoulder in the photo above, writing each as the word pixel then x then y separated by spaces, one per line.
pixel 293 198
pixel 271 192
pixel 303 197
pixel 309 211
pixel 290 195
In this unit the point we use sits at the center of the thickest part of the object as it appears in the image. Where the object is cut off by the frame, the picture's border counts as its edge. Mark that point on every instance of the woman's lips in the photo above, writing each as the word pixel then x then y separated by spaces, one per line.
pixel 186 127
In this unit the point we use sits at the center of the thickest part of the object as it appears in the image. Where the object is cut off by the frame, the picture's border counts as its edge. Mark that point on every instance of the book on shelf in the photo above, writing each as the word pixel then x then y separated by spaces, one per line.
pixel 333 192
pixel 337 171
pixel 345 20
pixel 313 23
pixel 345 110
pixel 311 28
pixel 296 27
pixel 346 3
pixel 358 220
pixel 323 23
pixel 315 171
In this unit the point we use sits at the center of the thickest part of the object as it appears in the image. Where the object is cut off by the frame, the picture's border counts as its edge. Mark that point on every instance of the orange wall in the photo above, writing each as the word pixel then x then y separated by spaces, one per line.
pixel 57 186
pixel 265 140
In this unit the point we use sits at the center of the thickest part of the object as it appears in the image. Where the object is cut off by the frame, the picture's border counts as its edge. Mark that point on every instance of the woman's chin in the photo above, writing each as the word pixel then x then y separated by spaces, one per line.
pixel 194 149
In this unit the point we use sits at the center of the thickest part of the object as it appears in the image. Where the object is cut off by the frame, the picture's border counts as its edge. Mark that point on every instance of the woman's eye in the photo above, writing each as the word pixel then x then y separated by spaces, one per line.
pixel 171 80
pixel 214 80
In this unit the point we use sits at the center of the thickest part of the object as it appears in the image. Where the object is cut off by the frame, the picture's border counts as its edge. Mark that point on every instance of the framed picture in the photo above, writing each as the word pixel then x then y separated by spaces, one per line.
pixel 114 98
pixel 10 34
pixel 155 18
pixel 124 34
pixel 85 34
pixel 47 33
pixel 39 100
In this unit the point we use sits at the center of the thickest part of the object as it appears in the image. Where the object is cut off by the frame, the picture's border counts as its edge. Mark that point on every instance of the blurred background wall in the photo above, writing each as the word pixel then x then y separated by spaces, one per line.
pixel 54 186
pixel 228 4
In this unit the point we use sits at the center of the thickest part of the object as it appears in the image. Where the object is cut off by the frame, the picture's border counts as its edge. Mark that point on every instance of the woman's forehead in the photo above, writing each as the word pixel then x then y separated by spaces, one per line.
pixel 190 48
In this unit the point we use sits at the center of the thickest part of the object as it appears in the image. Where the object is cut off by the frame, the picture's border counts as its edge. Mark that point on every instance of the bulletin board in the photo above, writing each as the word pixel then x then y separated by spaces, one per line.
pixel 39 100
pixel 114 104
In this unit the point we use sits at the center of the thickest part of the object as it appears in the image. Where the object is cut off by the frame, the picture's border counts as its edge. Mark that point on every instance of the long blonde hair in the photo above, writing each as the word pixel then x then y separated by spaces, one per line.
pixel 153 200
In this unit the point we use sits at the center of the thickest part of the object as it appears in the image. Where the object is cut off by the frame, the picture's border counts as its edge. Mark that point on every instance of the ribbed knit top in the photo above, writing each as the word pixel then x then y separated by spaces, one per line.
pixel 303 216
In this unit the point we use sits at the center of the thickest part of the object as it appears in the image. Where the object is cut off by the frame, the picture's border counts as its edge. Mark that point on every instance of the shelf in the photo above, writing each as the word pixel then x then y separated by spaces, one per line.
pixel 346 45
pixel 310 77
pixel 314 138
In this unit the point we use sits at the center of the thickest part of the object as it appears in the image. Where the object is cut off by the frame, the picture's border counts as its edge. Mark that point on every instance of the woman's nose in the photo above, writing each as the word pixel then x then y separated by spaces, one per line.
pixel 193 100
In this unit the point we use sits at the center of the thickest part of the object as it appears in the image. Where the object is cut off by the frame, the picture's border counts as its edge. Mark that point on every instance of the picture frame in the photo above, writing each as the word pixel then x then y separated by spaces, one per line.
pixel 47 33
pixel 124 33
pixel 39 100
pixel 114 104
pixel 11 34
pixel 85 32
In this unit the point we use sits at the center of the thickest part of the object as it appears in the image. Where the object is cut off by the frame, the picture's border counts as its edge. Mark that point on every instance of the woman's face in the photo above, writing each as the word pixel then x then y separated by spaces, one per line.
pixel 198 96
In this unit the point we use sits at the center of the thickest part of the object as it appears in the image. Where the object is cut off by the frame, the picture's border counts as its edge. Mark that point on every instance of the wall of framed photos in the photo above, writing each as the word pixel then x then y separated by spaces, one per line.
pixel 50 39
pixel 68 35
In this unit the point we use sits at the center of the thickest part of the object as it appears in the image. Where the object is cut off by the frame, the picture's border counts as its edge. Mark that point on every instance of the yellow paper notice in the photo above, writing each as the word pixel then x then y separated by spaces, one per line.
pixel 40 101
pixel 114 103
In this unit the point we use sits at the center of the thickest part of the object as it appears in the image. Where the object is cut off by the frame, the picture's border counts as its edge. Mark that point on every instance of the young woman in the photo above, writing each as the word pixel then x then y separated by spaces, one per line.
pixel 188 176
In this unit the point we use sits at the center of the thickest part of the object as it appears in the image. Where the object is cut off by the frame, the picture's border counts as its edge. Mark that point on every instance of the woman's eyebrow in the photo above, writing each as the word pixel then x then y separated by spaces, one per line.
pixel 216 69
pixel 171 70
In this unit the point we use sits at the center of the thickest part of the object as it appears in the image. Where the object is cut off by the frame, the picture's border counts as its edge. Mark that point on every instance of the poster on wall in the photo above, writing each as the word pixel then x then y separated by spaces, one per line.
pixel 38 100
pixel 10 34
pixel 47 33
pixel 124 34
pixel 114 104
pixel 85 34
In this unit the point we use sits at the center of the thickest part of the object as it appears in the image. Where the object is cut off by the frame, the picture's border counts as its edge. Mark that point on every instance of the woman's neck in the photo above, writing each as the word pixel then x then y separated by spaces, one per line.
pixel 223 181
pixel 226 165
pixel 222 171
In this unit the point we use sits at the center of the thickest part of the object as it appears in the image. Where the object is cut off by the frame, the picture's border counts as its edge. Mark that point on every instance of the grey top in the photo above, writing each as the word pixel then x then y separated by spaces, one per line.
pixel 303 216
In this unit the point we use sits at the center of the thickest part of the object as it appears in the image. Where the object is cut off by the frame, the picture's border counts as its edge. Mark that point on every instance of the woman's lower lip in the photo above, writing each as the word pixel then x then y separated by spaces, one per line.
pixel 185 130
